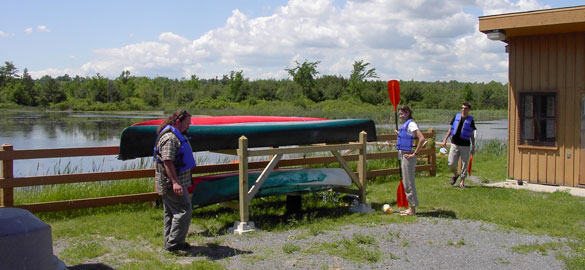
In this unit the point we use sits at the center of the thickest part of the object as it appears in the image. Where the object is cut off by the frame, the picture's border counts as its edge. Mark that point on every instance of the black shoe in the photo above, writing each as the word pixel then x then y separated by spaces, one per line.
pixel 454 179
pixel 180 246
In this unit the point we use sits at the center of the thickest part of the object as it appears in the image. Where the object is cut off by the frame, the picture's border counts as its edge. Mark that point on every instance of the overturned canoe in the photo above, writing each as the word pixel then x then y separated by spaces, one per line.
pixel 138 141
pixel 210 189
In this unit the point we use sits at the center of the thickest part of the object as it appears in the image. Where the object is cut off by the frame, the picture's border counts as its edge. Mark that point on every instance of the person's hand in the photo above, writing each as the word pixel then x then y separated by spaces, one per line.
pixel 473 150
pixel 396 131
pixel 443 144
pixel 178 189
pixel 408 156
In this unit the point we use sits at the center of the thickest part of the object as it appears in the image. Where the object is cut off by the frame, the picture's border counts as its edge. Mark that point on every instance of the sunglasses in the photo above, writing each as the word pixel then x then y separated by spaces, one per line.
pixel 182 115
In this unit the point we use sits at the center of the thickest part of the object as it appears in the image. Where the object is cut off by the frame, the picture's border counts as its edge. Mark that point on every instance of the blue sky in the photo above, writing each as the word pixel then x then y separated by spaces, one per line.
pixel 424 40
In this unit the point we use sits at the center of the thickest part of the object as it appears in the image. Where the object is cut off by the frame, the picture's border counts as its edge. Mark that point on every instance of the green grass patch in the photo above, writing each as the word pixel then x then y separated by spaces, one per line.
pixel 170 265
pixel 459 243
pixel 290 248
pixel 81 251
pixel 540 248
pixel 206 265
pixel 50 193
pixel 360 248
pixel 142 255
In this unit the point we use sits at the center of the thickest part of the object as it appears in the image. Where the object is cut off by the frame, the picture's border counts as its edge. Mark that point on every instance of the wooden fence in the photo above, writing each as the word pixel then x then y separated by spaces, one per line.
pixel 8 182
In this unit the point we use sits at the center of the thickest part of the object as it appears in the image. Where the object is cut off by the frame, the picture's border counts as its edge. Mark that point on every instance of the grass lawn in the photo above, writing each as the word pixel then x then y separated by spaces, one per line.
pixel 130 237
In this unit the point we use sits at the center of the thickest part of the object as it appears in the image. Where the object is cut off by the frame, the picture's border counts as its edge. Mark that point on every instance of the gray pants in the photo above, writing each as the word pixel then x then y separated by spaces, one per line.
pixel 177 217
pixel 408 170
pixel 456 152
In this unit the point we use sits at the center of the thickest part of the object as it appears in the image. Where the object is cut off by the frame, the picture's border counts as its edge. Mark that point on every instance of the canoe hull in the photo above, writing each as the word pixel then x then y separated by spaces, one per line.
pixel 207 190
pixel 138 141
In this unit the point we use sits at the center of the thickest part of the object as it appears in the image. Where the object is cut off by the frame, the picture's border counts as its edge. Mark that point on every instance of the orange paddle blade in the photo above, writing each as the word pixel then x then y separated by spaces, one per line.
pixel 394 92
pixel 401 200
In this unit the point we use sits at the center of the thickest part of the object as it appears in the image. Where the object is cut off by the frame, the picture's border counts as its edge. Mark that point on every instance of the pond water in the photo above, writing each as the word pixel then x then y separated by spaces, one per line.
pixel 41 130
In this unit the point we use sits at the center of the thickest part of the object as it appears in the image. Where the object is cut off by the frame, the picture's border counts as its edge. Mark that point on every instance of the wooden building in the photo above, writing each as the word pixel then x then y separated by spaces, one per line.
pixel 546 93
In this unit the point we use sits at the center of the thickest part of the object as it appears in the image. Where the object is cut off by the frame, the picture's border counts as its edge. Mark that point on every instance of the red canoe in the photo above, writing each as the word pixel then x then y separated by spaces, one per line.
pixel 222 120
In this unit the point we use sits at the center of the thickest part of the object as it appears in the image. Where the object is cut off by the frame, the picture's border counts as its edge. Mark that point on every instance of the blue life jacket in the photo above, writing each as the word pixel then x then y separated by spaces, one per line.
pixel 404 139
pixel 466 130
pixel 184 158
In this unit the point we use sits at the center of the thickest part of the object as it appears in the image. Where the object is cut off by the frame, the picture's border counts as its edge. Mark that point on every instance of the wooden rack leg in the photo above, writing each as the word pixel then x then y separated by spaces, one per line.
pixel 362 165
pixel 243 176
pixel 243 225
pixel 363 207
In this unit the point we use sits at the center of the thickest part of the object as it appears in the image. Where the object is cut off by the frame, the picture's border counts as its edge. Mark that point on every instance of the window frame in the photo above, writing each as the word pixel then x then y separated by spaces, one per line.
pixel 540 115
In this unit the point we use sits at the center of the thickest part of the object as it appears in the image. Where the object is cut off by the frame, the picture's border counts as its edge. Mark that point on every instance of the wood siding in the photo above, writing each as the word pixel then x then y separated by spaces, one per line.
pixel 553 64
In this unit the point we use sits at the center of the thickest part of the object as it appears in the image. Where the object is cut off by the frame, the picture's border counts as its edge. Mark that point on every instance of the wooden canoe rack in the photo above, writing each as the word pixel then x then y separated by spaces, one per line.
pixel 245 194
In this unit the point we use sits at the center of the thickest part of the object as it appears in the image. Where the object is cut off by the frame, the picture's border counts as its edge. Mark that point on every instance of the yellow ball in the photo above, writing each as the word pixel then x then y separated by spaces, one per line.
pixel 387 209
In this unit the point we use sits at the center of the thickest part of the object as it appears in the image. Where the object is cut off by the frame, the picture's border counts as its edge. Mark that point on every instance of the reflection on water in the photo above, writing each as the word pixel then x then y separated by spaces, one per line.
pixel 486 130
pixel 54 130
pixel 40 130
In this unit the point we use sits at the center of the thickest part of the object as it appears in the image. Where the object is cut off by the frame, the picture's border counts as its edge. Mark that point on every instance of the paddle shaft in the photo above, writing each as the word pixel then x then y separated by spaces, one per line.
pixel 399 158
pixel 394 95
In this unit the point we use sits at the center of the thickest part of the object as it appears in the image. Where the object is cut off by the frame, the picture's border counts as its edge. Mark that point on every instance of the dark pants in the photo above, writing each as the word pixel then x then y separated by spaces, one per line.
pixel 177 217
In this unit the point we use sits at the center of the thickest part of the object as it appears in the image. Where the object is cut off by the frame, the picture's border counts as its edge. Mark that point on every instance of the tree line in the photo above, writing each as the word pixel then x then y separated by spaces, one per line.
pixel 128 92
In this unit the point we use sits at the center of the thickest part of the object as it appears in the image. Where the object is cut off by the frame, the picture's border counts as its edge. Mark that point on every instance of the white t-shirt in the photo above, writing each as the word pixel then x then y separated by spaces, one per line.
pixel 412 127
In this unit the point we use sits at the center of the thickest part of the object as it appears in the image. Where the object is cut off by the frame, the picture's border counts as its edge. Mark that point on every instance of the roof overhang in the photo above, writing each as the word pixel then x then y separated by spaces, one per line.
pixel 532 23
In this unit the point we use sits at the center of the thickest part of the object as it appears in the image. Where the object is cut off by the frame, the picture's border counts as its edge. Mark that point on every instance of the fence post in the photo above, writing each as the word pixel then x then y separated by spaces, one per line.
pixel 7 194
pixel 433 155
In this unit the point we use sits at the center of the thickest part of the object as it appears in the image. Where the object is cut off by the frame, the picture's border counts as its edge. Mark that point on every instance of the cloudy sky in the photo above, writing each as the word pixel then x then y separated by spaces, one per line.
pixel 423 40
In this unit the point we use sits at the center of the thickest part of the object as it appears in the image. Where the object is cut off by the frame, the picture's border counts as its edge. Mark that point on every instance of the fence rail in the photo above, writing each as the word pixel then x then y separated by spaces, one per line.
pixel 8 182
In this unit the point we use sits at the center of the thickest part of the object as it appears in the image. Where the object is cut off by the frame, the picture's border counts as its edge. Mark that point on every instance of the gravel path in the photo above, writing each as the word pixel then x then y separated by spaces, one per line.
pixel 425 244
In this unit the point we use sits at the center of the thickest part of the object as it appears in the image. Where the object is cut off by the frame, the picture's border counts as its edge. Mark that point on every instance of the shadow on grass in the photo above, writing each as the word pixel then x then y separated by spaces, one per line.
pixel 90 266
pixel 438 214
pixel 269 221
pixel 216 252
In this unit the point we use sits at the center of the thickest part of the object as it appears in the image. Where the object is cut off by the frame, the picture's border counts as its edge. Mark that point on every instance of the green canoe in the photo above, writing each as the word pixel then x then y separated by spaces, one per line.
pixel 210 189
pixel 138 141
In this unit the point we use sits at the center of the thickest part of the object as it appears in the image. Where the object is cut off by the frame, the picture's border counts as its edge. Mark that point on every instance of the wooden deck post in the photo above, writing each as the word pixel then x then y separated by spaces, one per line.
pixel 362 165
pixel 7 194
pixel 243 176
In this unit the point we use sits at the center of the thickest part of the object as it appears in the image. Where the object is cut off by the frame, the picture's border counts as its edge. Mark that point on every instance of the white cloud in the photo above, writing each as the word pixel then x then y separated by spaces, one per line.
pixel 491 7
pixel 4 34
pixel 416 39
pixel 43 28
pixel 40 28
pixel 53 72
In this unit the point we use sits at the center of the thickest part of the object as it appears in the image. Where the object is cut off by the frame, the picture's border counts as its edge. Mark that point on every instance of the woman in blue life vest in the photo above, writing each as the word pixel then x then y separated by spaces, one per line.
pixel 173 162
pixel 462 143
pixel 407 152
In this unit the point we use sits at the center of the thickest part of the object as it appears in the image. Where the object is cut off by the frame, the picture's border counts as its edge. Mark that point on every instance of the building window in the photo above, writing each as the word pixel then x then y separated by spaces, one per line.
pixel 538 119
